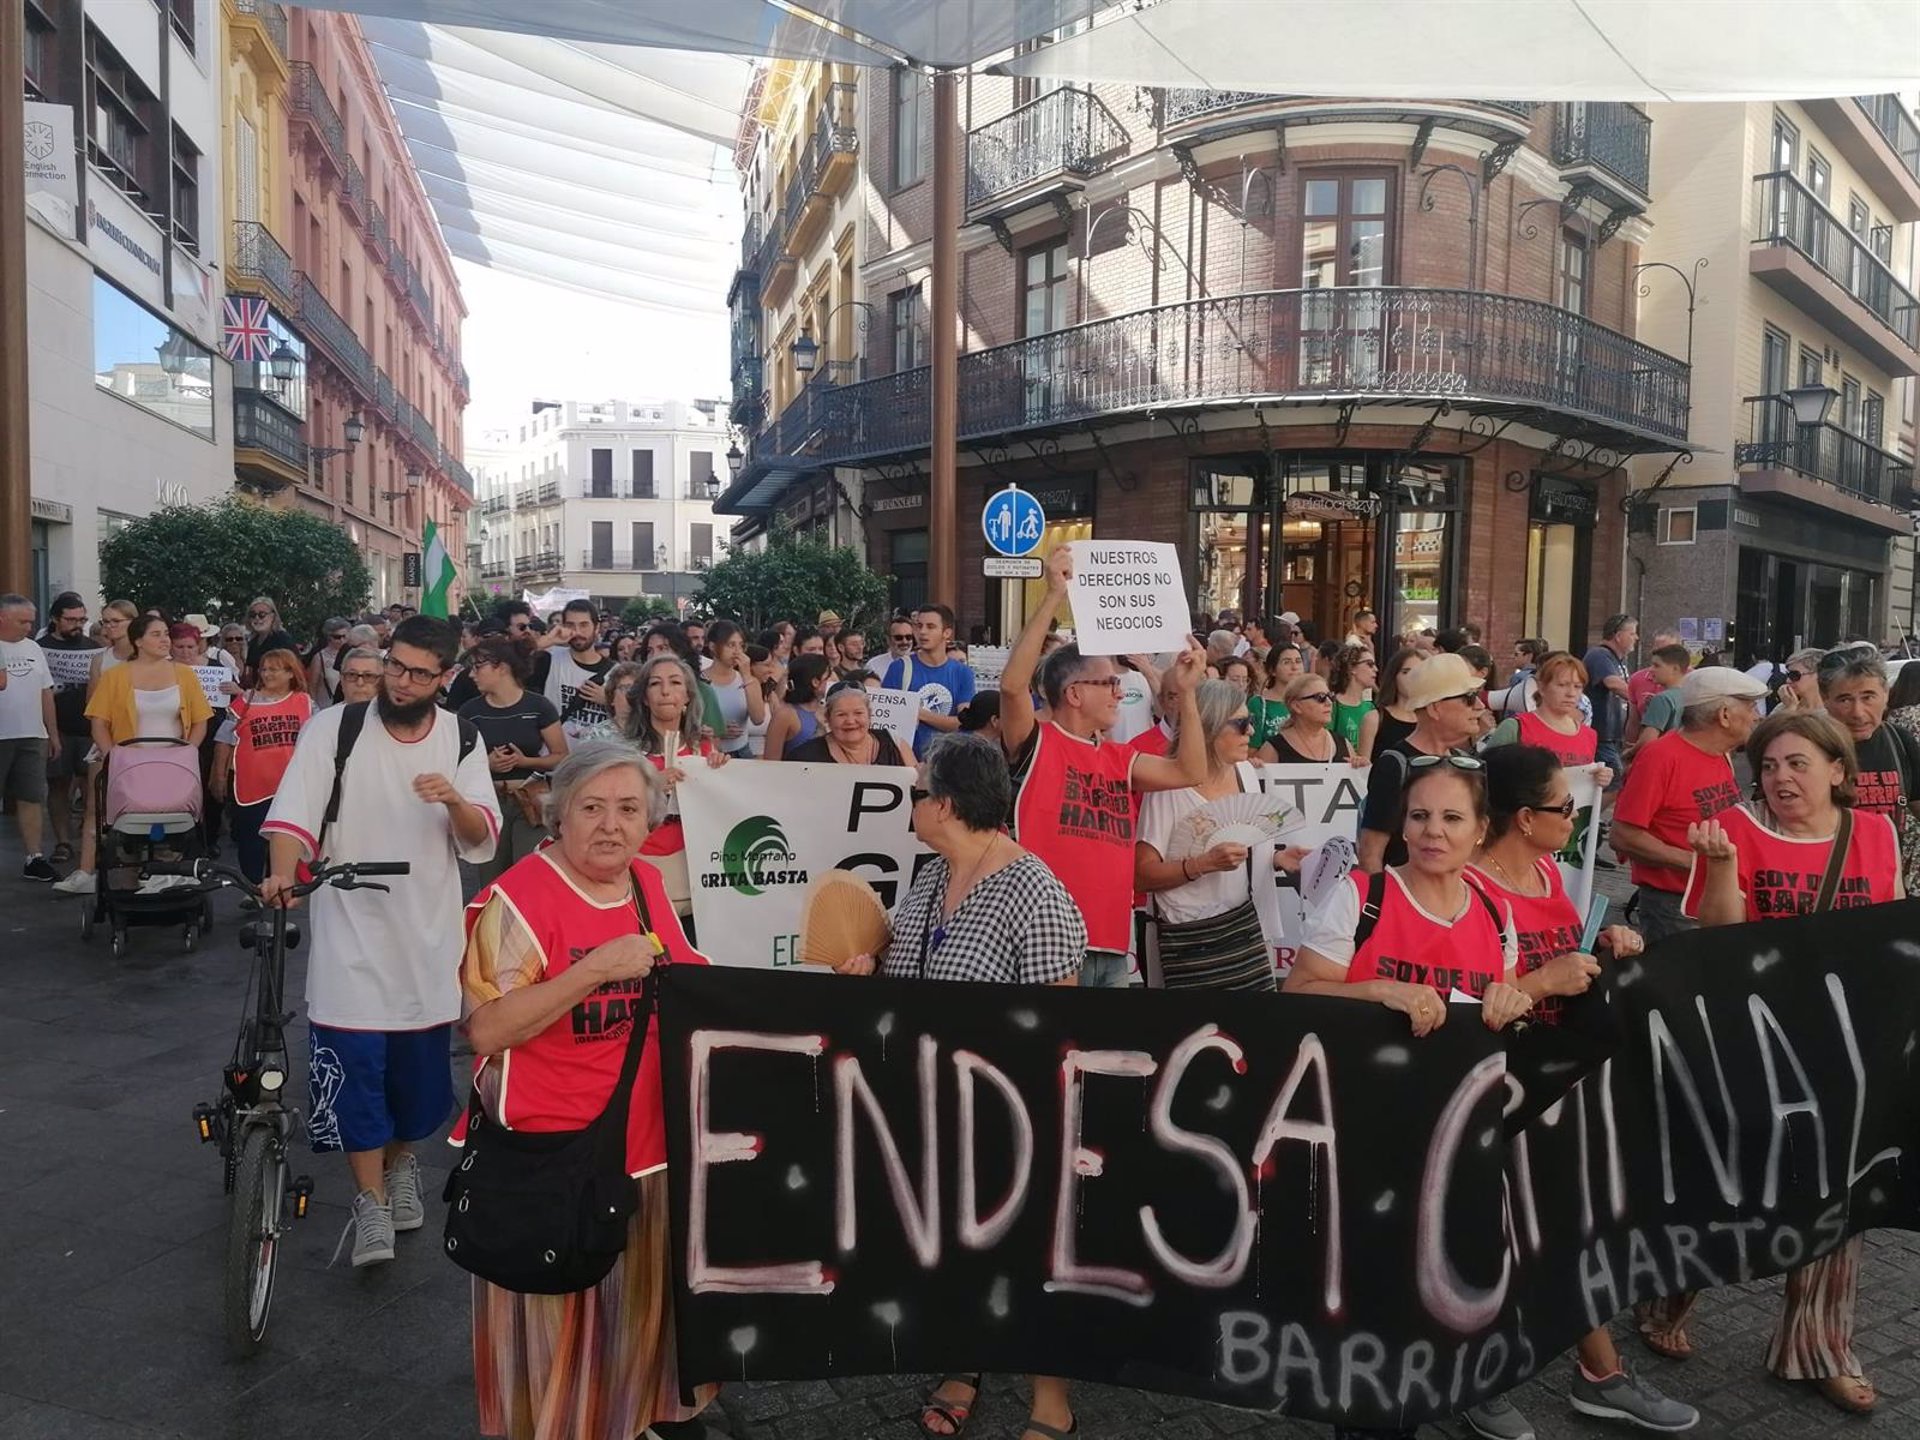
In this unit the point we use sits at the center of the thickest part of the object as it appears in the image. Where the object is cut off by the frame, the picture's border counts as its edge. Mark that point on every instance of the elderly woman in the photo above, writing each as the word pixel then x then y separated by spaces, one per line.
pixel 618 683
pixel 1211 935
pixel 1805 843
pixel 981 909
pixel 576 927
pixel 1801 688
pixel 846 736
pixel 361 669
pixel 1308 737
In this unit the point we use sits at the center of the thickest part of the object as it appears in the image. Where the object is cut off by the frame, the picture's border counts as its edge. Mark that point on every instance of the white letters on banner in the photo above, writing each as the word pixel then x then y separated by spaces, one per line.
pixel 1128 598
pixel 68 667
pixel 897 712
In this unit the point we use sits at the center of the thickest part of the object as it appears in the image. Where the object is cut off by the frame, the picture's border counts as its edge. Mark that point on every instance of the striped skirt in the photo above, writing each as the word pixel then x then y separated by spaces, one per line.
pixel 596 1365
pixel 1226 952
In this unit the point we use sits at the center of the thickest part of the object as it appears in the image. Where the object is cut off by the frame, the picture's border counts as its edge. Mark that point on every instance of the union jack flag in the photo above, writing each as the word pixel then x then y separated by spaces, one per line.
pixel 247 335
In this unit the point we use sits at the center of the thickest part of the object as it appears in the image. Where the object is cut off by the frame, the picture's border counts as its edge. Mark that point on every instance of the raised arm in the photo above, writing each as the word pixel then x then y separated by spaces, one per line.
pixel 1188 764
pixel 1017 719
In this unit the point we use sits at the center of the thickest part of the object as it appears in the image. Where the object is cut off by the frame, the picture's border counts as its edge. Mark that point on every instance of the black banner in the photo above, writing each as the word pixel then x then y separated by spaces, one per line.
pixel 1284 1203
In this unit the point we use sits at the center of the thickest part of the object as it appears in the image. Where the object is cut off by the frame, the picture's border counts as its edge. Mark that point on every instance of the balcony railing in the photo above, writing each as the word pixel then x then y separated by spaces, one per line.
pixel 494 505
pixel 1824 452
pixel 460 380
pixel 257 256
pixel 1426 345
pixel 272 18
pixel 322 324
pixel 833 134
pixel 1064 131
pixel 456 472
pixel 1609 134
pixel 258 424
pixel 417 293
pixel 493 569
pixel 618 560
pixel 312 104
pixel 1179 106
pixel 1790 214
pixel 751 238
pixel 383 393
pixel 353 194
pixel 1893 120
pixel 377 226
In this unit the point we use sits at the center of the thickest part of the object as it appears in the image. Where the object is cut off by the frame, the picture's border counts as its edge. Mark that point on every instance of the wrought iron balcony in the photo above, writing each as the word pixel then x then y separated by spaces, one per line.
pixel 1477 350
pixel 1609 135
pixel 259 424
pixel 493 569
pixel 494 505
pixel 461 382
pixel 1824 452
pixel 312 104
pixel 417 293
pixel 322 325
pixel 456 472
pixel 1178 106
pixel 619 560
pixel 353 193
pixel 258 261
pixel 1790 214
pixel 1066 131
pixel 272 18
pixel 1894 121
pixel 377 228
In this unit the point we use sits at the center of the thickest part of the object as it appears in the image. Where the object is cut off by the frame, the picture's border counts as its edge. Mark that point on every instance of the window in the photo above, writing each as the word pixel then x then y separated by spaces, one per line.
pixel 42 60
pixel 1776 416
pixel 909 561
pixel 246 175
pixel 912 102
pixel 186 191
pixel 1573 271
pixel 1677 525
pixel 643 556
pixel 1786 143
pixel 1343 234
pixel 600 487
pixel 699 472
pixel 119 112
pixel 1873 418
pixel 640 485
pixel 142 359
pixel 1850 404
pixel 1812 366
pixel 1819 176
pixel 181 13
pixel 1043 289
pixel 601 557
pixel 700 541
pixel 906 316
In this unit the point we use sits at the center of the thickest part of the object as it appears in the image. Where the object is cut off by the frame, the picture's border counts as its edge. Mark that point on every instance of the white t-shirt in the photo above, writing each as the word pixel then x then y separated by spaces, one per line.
pixel 878 664
pixel 1204 897
pixel 385 961
pixel 1330 925
pixel 22 713
pixel 565 676
pixel 1135 715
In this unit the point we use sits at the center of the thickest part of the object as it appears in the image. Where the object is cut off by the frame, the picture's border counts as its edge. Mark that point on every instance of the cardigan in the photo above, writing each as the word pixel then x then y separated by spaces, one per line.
pixel 113 701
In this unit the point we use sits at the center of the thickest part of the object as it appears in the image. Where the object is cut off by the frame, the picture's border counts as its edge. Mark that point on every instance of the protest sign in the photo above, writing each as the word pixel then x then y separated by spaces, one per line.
pixel 68 667
pixel 1583 846
pixel 1198 1195
pixel 988 662
pixel 211 678
pixel 1128 598
pixel 895 712
pixel 757 834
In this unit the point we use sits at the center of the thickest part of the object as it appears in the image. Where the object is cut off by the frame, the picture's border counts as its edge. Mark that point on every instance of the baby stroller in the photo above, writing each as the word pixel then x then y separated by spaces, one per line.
pixel 150 807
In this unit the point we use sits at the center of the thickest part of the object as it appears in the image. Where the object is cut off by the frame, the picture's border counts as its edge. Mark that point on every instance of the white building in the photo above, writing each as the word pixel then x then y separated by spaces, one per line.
pixel 614 497
pixel 130 397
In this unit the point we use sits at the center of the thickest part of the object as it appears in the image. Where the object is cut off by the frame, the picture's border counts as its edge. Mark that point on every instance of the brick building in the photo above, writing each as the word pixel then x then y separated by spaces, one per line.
pixel 1342 352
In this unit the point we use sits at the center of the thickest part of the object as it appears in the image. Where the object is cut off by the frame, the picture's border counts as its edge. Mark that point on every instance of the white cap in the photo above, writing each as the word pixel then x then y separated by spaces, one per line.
pixel 1719 682
pixel 1288 617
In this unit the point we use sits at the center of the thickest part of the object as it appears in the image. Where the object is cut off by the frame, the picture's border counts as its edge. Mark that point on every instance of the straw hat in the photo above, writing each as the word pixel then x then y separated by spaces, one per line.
pixel 1439 677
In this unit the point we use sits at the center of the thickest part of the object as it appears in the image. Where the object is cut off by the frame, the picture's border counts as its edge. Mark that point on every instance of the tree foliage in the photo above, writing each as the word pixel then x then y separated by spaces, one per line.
pixel 643 610
pixel 794 579
pixel 213 558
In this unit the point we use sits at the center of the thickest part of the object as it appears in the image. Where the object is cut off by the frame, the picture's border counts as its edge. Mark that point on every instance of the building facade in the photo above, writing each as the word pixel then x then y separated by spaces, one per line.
pixel 1342 353
pixel 342 309
pixel 1797 222
pixel 129 396
pixel 612 497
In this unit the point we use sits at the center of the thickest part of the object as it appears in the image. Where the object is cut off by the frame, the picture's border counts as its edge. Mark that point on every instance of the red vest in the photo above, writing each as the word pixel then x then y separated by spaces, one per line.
pixel 562 1078
pixel 1780 876
pixel 1075 810
pixel 1468 955
pixel 1579 748
pixel 1547 926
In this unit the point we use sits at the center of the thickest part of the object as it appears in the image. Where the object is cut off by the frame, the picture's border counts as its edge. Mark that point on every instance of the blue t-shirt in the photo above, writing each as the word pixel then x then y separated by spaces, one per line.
pixel 942 688
pixel 1609 708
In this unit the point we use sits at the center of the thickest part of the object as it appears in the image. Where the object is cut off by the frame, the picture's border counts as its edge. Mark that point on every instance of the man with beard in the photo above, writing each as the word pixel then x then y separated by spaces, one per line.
pixel 576 666
pixel 383 980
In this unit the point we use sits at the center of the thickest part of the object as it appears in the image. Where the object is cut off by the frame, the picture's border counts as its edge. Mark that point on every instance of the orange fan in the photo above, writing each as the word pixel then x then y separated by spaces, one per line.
pixel 843 917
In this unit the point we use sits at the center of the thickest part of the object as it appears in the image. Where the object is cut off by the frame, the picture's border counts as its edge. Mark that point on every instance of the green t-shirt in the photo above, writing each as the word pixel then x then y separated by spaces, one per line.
pixel 1268 717
pixel 1662 713
pixel 1347 720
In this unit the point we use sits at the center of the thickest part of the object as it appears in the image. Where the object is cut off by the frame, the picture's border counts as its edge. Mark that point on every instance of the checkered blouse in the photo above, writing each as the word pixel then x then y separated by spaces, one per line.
pixel 1017 926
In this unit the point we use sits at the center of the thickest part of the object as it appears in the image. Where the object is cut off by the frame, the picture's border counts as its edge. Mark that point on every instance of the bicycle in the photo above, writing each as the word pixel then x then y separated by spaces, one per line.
pixel 252 1122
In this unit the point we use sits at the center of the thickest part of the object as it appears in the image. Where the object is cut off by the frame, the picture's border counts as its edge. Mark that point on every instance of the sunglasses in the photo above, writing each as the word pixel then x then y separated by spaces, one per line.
pixel 1796 676
pixel 1242 723
pixel 1471 764
pixel 917 793
pixel 1564 809
pixel 1315 695
pixel 260 614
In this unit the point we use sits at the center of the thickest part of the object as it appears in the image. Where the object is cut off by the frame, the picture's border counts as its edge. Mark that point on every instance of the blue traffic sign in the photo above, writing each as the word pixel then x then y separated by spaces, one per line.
pixel 1013 522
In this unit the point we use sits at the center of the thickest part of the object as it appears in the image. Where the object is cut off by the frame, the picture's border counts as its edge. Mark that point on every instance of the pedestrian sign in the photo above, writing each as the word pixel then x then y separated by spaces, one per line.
pixel 1013 521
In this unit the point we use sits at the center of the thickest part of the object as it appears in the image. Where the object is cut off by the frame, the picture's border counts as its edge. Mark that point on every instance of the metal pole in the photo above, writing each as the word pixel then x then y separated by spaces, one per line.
pixel 943 500
pixel 16 505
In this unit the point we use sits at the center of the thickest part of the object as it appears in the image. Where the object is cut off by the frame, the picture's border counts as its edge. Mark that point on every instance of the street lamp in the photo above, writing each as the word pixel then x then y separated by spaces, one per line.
pixel 805 353
pixel 176 353
pixel 1811 403
pixel 736 462
pixel 355 430
pixel 413 483
pixel 282 363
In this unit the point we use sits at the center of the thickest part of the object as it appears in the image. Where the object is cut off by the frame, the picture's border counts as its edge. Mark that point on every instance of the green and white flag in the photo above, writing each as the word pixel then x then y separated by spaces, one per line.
pixel 436 574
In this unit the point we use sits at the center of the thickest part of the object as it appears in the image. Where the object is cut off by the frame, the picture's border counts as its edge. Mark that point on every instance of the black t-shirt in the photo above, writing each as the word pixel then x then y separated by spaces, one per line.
pixel 818 752
pixel 1290 756
pixel 70 700
pixel 518 724
pixel 462 692
pixel 258 645
pixel 1386 781
pixel 1889 773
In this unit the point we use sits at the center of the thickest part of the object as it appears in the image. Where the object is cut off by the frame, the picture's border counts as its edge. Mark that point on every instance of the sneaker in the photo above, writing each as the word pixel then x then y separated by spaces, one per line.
pixel 403 1194
pixel 80 882
pixel 39 868
pixel 1497 1419
pixel 370 1225
pixel 1627 1397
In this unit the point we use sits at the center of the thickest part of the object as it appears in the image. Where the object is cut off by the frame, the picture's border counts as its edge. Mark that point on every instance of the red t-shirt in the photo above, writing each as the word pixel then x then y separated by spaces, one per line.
pixel 1153 741
pixel 1547 926
pixel 1409 944
pixel 1780 875
pixel 1075 810
pixel 264 734
pixel 1641 687
pixel 1579 748
pixel 1671 784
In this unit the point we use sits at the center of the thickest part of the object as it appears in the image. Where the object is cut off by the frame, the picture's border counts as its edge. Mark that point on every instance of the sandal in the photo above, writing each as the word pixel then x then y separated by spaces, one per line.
pixel 1670 1341
pixel 953 1412
pixel 1852 1393
pixel 1051 1432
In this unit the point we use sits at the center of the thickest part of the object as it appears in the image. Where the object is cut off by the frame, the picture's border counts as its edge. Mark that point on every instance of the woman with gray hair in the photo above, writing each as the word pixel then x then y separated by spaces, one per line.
pixel 1801 691
pixel 574 930
pixel 1209 912
pixel 846 736
pixel 665 727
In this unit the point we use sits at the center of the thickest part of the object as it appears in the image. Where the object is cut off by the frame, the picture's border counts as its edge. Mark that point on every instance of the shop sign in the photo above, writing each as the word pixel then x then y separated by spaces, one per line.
pixel 1557 501
pixel 1331 505
pixel 1412 545
pixel 897 502
pixel 52 187
pixel 1064 499
pixel 56 511
pixel 1748 518
pixel 124 242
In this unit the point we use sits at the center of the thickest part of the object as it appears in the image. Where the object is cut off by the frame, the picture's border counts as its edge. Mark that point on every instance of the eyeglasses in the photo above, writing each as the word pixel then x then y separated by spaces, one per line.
pixel 1564 809
pixel 372 677
pixel 1112 682
pixel 260 614
pixel 1470 763
pixel 419 674
pixel 1317 695
pixel 898 639
pixel 1241 723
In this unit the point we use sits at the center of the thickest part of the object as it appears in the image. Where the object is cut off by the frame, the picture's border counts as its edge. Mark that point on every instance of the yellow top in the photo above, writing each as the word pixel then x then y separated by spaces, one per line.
pixel 113 702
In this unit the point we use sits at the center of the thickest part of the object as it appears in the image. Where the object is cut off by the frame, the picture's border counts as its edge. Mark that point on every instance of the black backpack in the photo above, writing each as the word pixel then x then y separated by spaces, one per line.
pixel 353 719
pixel 1377 893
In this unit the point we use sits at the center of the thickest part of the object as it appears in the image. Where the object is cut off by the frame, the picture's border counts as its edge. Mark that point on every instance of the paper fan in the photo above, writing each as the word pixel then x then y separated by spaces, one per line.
pixel 842 917
pixel 1232 819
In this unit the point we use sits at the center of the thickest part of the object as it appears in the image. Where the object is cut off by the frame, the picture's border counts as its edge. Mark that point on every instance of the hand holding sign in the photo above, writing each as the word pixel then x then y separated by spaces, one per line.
pixel 1127 596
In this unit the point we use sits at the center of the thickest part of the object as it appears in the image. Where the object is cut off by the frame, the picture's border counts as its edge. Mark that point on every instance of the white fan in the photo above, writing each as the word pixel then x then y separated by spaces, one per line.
pixel 1232 820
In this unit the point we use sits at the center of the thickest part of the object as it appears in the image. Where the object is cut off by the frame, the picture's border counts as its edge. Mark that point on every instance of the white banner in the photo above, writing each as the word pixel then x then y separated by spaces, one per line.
pixel 1577 860
pixel 211 678
pixel 757 834
pixel 897 712
pixel 52 186
pixel 1128 598
pixel 68 667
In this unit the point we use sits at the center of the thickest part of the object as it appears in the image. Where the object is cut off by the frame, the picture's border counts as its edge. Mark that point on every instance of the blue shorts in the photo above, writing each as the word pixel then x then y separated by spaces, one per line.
pixel 369 1087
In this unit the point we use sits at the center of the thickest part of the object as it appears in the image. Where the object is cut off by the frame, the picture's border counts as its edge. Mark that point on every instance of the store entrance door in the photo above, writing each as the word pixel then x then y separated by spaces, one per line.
pixel 1325 564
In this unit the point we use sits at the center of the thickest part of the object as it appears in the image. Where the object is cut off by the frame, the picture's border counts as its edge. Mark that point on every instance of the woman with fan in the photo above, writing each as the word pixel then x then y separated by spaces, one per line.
pixel 847 736
pixel 1208 867
pixel 570 931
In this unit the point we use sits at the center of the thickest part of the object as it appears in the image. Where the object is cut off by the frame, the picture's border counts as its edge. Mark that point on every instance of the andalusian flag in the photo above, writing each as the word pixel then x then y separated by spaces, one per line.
pixel 436 574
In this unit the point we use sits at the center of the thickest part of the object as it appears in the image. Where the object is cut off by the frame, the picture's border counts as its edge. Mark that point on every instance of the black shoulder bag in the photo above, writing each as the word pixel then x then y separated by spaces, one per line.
pixel 546 1213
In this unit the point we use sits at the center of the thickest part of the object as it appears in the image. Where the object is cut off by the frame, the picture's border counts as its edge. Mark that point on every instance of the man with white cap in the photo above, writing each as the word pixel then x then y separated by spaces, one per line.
pixel 1444 695
pixel 1680 779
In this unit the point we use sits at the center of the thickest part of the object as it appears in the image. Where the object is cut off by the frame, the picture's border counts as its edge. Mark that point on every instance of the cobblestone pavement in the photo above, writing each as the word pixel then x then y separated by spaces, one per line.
pixel 111 1223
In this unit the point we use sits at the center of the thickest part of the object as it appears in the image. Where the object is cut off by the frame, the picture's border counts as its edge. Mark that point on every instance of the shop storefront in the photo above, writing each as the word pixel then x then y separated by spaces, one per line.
pixel 1560 518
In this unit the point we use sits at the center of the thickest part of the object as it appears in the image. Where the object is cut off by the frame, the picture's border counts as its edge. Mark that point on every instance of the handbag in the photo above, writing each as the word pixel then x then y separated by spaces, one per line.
pixel 546 1212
